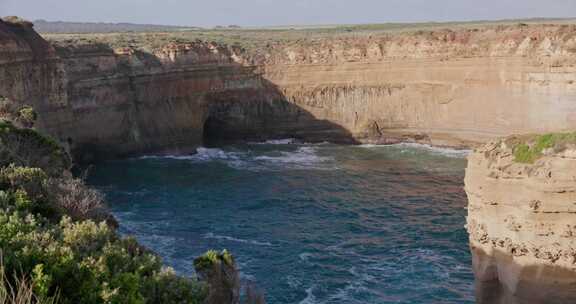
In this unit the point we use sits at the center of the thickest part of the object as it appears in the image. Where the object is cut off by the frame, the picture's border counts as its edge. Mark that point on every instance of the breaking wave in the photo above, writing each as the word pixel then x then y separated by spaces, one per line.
pixel 310 298
pixel 301 158
pixel 448 152
pixel 237 240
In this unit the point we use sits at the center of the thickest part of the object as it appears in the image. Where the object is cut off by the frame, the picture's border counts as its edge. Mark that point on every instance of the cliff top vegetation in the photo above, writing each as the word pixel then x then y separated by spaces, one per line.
pixel 528 149
pixel 252 38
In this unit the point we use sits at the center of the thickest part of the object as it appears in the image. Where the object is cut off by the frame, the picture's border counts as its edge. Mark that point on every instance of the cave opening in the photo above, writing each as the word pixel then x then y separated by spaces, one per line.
pixel 213 132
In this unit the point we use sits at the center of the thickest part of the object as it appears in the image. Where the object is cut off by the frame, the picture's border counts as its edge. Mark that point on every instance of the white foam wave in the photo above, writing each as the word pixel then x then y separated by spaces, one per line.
pixel 310 298
pixel 303 158
pixel 361 275
pixel 305 256
pixel 202 154
pixel 237 240
pixel 346 294
pixel 205 154
pixel 235 160
pixel 449 152
pixel 419 261
pixel 303 155
pixel 293 282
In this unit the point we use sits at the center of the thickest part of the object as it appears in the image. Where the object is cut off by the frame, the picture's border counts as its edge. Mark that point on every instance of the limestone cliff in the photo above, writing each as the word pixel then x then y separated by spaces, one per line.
pixel 522 225
pixel 443 87
pixel 450 87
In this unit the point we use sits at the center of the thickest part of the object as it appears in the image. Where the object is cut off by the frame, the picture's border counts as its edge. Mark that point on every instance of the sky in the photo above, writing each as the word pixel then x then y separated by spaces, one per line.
pixel 282 12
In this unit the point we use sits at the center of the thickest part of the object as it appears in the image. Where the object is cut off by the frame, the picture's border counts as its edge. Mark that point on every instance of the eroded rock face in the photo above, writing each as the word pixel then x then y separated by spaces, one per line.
pixel 454 88
pixel 446 87
pixel 522 226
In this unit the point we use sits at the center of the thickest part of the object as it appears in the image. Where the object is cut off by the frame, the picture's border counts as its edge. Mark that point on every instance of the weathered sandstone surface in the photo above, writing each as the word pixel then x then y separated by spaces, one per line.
pixel 443 87
pixel 522 226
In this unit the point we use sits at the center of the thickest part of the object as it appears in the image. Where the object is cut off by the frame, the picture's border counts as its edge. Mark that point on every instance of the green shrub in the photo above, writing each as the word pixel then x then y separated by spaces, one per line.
pixel 32 190
pixel 54 239
pixel 26 189
pixel 22 201
pixel 27 116
pixel 40 281
pixel 220 273
pixel 31 180
pixel 167 287
pixel 86 262
pixel 213 257
pixel 15 290
pixel 29 148
pixel 5 199
pixel 531 149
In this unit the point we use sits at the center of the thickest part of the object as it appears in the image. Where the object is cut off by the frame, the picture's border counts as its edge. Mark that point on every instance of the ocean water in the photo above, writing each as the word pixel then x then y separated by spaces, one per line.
pixel 308 223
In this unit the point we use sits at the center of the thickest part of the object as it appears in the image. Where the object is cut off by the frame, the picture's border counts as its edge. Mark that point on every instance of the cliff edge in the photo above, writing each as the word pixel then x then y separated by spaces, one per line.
pixel 113 95
pixel 522 219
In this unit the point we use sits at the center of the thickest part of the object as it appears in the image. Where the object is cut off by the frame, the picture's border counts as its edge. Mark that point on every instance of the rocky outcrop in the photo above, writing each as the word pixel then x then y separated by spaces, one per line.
pixel 522 225
pixel 30 70
pixel 445 87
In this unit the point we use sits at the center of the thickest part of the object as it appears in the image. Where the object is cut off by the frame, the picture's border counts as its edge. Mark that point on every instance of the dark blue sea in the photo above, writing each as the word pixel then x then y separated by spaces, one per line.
pixel 308 223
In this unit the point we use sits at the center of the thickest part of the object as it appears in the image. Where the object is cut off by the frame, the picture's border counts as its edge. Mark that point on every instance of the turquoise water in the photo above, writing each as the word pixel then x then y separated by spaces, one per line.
pixel 308 223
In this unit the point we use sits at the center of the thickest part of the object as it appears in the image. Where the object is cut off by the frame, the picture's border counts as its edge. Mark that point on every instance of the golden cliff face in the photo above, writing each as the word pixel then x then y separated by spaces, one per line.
pixel 29 66
pixel 522 226
pixel 450 87
pixel 455 88
pixel 124 101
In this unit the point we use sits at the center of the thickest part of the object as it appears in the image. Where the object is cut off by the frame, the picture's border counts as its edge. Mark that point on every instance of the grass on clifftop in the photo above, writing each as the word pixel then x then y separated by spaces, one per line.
pixel 256 38
pixel 530 149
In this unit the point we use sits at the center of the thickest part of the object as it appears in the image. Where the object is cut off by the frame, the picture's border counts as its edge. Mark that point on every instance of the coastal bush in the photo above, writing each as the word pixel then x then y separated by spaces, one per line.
pixel 212 258
pixel 21 115
pixel 72 197
pixel 56 244
pixel 530 149
pixel 167 287
pixel 219 270
pixel 27 116
pixel 20 290
pixel 87 262
pixel 29 148
pixel 30 180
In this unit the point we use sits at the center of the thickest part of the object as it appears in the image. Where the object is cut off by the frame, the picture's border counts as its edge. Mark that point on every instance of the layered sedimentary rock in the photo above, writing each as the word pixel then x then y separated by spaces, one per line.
pixel 522 226
pixel 443 87
pixel 451 87
pixel 105 102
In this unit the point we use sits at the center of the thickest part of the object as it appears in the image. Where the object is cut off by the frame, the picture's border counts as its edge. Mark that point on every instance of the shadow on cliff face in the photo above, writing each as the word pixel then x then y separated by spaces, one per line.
pixel 175 106
pixel 108 101
pixel 501 279
pixel 264 113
